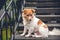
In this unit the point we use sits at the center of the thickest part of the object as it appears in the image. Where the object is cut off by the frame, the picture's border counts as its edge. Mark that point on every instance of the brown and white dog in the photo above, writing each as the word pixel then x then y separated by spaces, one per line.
pixel 33 24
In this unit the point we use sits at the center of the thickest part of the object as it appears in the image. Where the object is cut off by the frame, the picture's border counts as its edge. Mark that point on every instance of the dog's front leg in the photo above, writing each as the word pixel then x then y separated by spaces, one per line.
pixel 24 32
pixel 29 33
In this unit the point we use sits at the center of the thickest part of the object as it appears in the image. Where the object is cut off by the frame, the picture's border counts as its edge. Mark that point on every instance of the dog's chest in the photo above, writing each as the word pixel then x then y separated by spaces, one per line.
pixel 33 23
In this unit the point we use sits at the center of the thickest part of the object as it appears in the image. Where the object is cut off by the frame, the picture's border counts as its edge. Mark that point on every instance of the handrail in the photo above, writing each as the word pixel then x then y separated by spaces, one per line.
pixel 7 24
pixel 6 9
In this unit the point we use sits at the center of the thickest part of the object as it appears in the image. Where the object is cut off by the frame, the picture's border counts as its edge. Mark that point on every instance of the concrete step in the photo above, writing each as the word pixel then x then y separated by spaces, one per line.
pixel 48 15
pixel 42 0
pixel 50 25
pixel 50 37
pixel 42 4
pixel 46 10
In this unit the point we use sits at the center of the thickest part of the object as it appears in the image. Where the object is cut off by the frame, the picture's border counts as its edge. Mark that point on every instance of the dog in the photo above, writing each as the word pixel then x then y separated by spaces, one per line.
pixel 33 24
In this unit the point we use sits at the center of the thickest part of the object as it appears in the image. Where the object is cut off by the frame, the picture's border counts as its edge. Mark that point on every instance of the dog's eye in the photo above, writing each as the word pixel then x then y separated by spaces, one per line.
pixel 30 15
pixel 27 15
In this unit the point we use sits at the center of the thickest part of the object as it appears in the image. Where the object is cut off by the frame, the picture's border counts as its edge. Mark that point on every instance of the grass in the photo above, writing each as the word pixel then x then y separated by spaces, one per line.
pixel 4 34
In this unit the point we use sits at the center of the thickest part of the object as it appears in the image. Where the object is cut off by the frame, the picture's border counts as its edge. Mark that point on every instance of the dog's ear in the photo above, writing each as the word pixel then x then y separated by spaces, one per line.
pixel 33 10
pixel 23 11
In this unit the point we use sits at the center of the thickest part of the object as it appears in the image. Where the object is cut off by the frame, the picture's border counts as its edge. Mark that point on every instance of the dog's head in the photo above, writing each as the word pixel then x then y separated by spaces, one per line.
pixel 28 14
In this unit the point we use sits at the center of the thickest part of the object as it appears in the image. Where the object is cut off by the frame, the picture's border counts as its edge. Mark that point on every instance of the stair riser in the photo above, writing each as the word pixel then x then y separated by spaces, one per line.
pixel 21 28
pixel 42 0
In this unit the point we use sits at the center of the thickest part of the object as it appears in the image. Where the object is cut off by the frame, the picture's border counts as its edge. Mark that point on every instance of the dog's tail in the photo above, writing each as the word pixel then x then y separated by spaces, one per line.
pixel 54 32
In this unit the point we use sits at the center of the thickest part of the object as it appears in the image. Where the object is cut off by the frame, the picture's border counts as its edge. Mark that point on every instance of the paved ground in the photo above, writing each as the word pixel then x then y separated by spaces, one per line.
pixel 51 37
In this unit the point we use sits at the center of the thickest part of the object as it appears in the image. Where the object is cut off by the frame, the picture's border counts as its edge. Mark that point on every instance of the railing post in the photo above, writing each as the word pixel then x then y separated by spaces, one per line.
pixel 1 29
pixel 12 19
pixel 6 21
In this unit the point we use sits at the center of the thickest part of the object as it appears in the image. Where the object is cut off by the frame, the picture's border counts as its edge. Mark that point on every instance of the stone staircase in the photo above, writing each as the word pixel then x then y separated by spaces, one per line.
pixel 48 11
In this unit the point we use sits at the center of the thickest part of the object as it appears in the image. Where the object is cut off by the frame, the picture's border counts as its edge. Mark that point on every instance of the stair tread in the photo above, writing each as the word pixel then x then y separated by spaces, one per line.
pixel 58 24
pixel 42 8
pixel 51 37
pixel 42 0
pixel 46 10
pixel 43 3
pixel 48 15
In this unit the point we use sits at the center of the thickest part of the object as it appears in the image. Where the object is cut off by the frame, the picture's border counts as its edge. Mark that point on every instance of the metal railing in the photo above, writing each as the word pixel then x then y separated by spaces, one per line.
pixel 6 21
pixel 9 20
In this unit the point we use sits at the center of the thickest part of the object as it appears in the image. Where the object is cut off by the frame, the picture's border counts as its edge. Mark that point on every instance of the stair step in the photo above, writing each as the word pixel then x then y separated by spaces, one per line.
pixel 50 25
pixel 46 10
pixel 42 0
pixel 30 7
pixel 51 37
pixel 48 15
pixel 42 8
pixel 42 4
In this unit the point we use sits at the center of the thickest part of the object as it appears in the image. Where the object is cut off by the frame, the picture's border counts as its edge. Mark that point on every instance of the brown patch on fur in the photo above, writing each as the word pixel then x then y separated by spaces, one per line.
pixel 28 11
pixel 40 22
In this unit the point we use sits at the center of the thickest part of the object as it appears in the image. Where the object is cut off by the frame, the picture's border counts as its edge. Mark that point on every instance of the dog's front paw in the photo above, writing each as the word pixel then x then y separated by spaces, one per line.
pixel 27 35
pixel 21 34
pixel 33 36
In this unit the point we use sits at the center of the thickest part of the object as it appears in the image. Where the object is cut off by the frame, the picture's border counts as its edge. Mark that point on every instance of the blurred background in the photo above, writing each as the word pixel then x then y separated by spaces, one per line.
pixel 11 21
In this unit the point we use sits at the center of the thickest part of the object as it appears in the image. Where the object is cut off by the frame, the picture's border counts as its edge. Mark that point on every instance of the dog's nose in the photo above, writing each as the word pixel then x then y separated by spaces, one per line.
pixel 30 20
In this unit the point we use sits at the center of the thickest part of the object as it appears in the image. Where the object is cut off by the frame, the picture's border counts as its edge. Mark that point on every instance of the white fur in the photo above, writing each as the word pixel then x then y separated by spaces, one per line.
pixel 33 24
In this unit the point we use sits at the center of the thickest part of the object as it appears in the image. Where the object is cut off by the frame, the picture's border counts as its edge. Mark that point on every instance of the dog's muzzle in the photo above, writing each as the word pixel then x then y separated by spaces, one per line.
pixel 30 18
